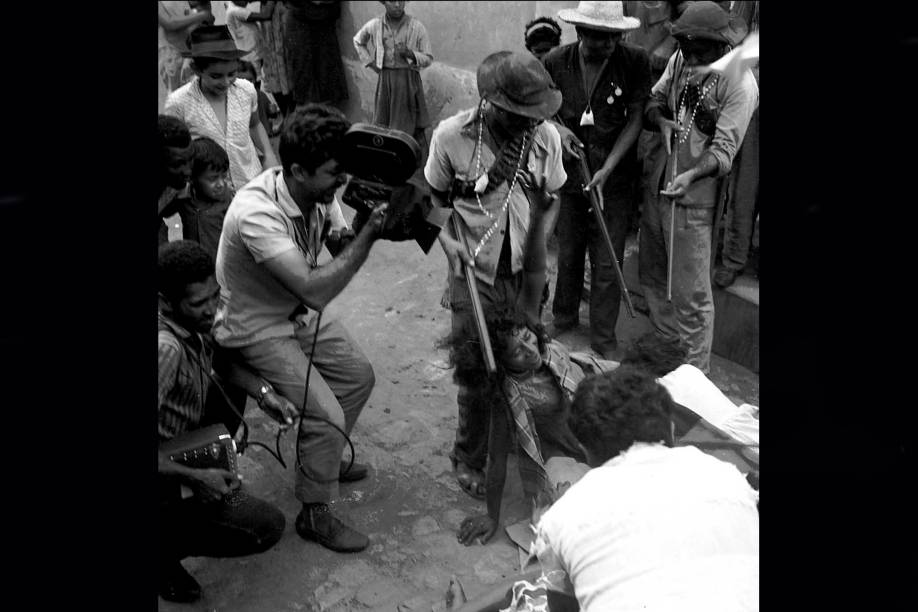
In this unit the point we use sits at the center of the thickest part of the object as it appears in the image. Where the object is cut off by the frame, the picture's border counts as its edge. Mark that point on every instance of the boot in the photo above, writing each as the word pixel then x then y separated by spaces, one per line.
pixel 316 522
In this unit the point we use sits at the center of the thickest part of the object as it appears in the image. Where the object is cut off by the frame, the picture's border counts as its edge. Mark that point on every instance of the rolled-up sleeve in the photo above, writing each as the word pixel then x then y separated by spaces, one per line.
pixel 740 102
pixel 555 175
pixel 660 91
pixel 423 54
pixel 438 169
pixel 360 44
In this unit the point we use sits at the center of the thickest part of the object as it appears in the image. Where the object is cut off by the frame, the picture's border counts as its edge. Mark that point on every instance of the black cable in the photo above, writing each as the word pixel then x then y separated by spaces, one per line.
pixel 303 415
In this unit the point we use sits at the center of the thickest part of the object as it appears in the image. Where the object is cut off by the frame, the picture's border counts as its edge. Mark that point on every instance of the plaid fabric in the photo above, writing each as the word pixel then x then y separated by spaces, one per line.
pixel 566 373
pixel 182 382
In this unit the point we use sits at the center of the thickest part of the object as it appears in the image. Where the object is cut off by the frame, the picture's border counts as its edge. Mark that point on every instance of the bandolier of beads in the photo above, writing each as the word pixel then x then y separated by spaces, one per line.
pixel 688 127
pixel 516 173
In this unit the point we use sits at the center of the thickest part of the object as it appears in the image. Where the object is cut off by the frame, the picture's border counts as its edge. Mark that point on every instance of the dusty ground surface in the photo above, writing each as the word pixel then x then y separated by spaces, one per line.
pixel 410 505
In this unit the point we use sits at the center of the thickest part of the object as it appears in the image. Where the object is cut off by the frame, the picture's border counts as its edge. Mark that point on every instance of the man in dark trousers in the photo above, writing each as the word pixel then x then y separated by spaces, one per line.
pixel 604 84
pixel 212 522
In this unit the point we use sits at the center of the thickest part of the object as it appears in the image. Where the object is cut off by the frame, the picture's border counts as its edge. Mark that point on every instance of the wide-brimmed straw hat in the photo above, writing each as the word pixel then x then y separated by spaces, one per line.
pixel 519 83
pixel 213 41
pixel 605 16
pixel 708 21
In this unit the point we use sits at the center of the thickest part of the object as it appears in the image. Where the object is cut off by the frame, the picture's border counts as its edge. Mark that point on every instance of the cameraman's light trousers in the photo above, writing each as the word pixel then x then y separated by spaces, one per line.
pixel 340 384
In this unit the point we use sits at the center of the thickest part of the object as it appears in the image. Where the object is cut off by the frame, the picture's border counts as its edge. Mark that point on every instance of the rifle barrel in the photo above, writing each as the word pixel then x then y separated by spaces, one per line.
pixel 486 351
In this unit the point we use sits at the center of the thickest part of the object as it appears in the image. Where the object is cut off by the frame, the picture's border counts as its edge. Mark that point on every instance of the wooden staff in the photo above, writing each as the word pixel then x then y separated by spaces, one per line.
pixel 596 199
pixel 672 220
pixel 486 350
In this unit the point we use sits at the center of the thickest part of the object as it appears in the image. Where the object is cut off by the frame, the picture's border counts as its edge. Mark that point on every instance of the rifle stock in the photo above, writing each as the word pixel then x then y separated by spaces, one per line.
pixel 486 351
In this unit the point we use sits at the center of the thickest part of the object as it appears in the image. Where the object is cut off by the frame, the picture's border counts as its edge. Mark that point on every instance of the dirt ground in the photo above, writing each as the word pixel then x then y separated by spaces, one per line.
pixel 410 505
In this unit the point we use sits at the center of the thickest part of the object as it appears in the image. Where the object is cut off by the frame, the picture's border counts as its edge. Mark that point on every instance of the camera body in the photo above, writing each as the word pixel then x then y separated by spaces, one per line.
pixel 382 163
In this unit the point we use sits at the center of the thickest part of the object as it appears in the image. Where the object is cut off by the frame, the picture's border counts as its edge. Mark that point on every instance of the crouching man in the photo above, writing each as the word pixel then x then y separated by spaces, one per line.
pixel 218 520
pixel 273 291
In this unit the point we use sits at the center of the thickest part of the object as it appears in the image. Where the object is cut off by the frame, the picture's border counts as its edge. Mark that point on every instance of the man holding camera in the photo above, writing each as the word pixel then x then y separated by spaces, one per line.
pixel 272 295
pixel 480 161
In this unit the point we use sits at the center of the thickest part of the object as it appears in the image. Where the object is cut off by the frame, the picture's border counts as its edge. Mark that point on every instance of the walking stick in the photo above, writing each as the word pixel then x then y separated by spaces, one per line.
pixel 672 222
pixel 722 195
pixel 596 200
pixel 486 350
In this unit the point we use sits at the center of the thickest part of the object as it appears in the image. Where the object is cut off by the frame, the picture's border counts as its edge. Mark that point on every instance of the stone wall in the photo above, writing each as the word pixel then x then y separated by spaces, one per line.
pixel 461 35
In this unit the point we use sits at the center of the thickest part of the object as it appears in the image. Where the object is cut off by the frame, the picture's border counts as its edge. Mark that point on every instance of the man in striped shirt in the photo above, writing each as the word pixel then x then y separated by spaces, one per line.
pixel 207 523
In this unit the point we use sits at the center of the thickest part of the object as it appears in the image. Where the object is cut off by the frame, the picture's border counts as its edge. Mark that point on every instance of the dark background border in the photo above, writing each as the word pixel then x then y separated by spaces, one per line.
pixel 78 306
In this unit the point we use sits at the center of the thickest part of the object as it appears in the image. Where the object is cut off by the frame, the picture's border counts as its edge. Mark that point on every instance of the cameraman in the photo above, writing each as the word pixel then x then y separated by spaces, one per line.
pixel 271 298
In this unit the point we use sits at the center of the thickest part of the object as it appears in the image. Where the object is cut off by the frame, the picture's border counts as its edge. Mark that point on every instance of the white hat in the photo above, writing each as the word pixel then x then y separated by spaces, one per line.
pixel 606 16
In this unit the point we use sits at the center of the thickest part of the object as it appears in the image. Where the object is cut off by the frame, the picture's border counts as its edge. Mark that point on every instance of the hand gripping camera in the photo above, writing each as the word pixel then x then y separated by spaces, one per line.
pixel 382 163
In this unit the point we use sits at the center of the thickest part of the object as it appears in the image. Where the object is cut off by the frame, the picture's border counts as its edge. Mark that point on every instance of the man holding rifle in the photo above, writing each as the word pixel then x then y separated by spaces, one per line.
pixel 605 84
pixel 479 160
pixel 702 116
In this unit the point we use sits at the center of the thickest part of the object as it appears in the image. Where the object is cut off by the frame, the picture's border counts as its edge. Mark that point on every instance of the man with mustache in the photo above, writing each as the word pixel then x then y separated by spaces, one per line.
pixel 272 293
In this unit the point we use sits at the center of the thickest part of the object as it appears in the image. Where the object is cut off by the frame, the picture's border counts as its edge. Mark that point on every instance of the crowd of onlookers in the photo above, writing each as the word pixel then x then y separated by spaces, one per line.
pixel 668 513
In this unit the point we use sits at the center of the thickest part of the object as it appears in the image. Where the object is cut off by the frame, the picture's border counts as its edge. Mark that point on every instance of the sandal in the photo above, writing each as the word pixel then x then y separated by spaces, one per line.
pixel 471 481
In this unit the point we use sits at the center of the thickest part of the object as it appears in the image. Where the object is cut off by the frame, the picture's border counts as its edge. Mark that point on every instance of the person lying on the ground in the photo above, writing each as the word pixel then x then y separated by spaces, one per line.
pixel 703 416
pixel 651 526
pixel 191 395
pixel 534 375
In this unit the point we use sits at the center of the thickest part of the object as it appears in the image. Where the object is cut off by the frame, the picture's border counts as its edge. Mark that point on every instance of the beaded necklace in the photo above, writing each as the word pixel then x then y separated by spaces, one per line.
pixel 482 183
pixel 682 105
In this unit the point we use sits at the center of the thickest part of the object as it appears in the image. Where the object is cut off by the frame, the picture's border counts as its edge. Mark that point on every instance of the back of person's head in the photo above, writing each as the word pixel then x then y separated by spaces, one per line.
pixel 656 354
pixel 613 410
pixel 180 264
pixel 311 136
pixel 172 132
pixel 208 155
pixel 542 29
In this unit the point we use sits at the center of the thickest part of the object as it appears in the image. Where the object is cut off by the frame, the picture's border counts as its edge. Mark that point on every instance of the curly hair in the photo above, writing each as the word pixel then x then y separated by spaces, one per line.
pixel 180 264
pixel 613 410
pixel 172 132
pixel 465 347
pixel 656 354
pixel 311 136
pixel 542 29
pixel 208 155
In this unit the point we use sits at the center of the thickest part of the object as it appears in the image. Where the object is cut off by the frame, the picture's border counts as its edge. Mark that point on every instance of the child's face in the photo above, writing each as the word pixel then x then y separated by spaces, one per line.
pixel 212 185
pixel 395 10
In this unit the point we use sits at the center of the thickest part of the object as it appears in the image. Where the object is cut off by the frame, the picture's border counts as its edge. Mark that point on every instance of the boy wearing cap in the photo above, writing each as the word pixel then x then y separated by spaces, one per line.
pixel 479 160
pixel 605 84
pixel 702 116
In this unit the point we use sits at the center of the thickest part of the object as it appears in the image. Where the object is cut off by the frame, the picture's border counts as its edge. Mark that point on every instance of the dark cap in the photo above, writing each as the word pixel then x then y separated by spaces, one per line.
pixel 519 83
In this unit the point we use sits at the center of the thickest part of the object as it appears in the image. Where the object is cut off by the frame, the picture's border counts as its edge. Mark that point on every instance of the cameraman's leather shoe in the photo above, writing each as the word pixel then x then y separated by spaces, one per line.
pixel 176 584
pixel 357 472
pixel 316 522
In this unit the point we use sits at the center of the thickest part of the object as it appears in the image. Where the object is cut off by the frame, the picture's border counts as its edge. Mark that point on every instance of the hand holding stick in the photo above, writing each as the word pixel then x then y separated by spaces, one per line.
pixel 596 200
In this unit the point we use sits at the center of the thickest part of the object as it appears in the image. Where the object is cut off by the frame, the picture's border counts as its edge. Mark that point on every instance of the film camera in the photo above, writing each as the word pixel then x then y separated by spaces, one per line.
pixel 382 163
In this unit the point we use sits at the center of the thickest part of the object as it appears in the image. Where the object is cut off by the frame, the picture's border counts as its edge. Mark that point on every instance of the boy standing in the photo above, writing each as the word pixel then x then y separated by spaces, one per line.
pixel 211 191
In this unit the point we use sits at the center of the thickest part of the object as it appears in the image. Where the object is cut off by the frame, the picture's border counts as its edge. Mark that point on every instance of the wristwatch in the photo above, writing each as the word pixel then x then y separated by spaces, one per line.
pixel 262 393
